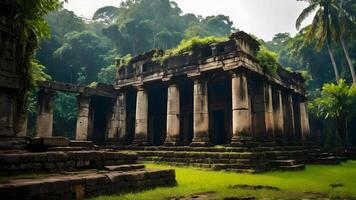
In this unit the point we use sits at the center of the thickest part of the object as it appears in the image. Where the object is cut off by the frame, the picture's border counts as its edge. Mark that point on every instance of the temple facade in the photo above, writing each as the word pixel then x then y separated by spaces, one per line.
pixel 216 94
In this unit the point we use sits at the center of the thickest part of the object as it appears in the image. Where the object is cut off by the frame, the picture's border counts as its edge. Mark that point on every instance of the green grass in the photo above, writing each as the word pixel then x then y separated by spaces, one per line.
pixel 293 185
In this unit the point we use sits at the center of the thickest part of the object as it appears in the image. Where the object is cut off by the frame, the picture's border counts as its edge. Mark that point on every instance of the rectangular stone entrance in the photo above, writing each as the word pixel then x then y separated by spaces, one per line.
pixel 99 116
pixel 219 97
pixel 157 109
pixel 218 131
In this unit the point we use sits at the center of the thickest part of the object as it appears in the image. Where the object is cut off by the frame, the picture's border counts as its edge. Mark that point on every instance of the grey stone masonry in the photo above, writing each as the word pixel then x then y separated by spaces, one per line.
pixel 44 123
pixel 263 105
pixel 241 115
pixel 83 117
pixel 141 125
pixel 173 115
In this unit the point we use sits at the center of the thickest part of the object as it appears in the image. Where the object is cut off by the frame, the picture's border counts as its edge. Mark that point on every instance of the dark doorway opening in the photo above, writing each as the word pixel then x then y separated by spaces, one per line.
pixel 130 115
pixel 100 107
pixel 186 112
pixel 220 115
pixel 157 109
pixel 297 120
pixel 218 131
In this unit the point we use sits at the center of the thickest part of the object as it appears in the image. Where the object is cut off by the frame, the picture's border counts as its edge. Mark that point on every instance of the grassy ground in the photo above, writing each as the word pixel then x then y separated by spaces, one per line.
pixel 313 183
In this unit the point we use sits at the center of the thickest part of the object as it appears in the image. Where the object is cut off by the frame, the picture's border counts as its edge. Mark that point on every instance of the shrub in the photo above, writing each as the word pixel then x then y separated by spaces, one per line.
pixel 268 61
pixel 337 103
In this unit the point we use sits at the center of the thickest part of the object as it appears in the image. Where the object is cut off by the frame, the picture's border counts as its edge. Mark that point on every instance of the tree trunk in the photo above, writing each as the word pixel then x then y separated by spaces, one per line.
pixel 342 126
pixel 337 77
pixel 349 61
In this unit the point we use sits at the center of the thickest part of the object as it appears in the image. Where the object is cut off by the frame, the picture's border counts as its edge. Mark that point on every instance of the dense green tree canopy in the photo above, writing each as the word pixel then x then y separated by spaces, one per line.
pixel 84 50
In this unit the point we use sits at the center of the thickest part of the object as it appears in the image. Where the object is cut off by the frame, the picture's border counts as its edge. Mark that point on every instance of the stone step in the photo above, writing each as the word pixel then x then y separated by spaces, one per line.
pixel 284 163
pixel 342 158
pixel 124 167
pixel 235 166
pixel 79 143
pixel 320 154
pixel 85 184
pixel 292 167
pixel 214 155
pixel 331 160
pixel 201 160
pixel 209 149
pixel 68 149
pixel 217 167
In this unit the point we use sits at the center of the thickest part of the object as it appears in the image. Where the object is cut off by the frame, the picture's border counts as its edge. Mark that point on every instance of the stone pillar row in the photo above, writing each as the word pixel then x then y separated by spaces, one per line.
pixel 272 116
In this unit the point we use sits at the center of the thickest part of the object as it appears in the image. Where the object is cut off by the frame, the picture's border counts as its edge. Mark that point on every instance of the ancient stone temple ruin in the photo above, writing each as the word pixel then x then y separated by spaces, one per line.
pixel 214 106
pixel 215 94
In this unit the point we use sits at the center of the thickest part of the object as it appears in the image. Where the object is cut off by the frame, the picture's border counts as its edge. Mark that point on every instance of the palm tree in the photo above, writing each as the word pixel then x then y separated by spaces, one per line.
pixel 345 28
pixel 322 26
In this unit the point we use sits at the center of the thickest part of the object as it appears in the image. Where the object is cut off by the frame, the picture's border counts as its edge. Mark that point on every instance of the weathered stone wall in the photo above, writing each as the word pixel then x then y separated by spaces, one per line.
pixel 57 161
pixel 79 186
pixel 262 107
pixel 13 78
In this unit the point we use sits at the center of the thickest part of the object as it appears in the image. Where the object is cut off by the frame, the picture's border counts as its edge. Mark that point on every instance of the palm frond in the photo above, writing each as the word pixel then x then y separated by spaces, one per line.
pixel 305 13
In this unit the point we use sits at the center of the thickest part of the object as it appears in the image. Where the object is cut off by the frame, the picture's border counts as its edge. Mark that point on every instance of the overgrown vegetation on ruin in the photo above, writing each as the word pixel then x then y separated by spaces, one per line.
pixel 268 60
pixel 188 45
pixel 316 182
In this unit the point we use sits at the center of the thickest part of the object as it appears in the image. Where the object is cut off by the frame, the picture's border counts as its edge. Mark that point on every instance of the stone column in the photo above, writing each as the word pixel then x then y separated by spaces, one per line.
pixel 7 109
pixel 117 124
pixel 289 130
pixel 278 117
pixel 304 122
pixel 121 129
pixel 83 117
pixel 201 114
pixel 22 125
pixel 173 116
pixel 241 114
pixel 269 121
pixel 44 123
pixel 112 123
pixel 141 125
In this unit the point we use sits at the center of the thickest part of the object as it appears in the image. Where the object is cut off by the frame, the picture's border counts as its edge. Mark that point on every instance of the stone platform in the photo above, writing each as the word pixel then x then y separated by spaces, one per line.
pixel 235 159
pixel 56 168
pixel 84 184
pixel 12 162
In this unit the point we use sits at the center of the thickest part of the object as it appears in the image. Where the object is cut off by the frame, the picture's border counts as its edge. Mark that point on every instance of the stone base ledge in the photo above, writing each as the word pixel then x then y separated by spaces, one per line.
pixel 85 184
pixel 56 161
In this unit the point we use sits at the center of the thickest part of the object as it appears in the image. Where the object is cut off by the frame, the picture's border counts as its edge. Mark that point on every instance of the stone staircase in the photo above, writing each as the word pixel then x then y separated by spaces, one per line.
pixel 225 158
pixel 87 183
pixel 319 157
pixel 285 164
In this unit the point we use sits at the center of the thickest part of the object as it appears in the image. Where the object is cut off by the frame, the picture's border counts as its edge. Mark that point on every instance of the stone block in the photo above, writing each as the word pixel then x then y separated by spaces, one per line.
pixel 77 143
pixel 84 155
pixel 33 157
pixel 10 158
pixel 56 156
pixel 49 166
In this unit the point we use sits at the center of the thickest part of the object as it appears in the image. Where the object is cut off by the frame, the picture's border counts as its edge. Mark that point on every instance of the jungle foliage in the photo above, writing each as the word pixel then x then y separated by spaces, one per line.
pixel 82 51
